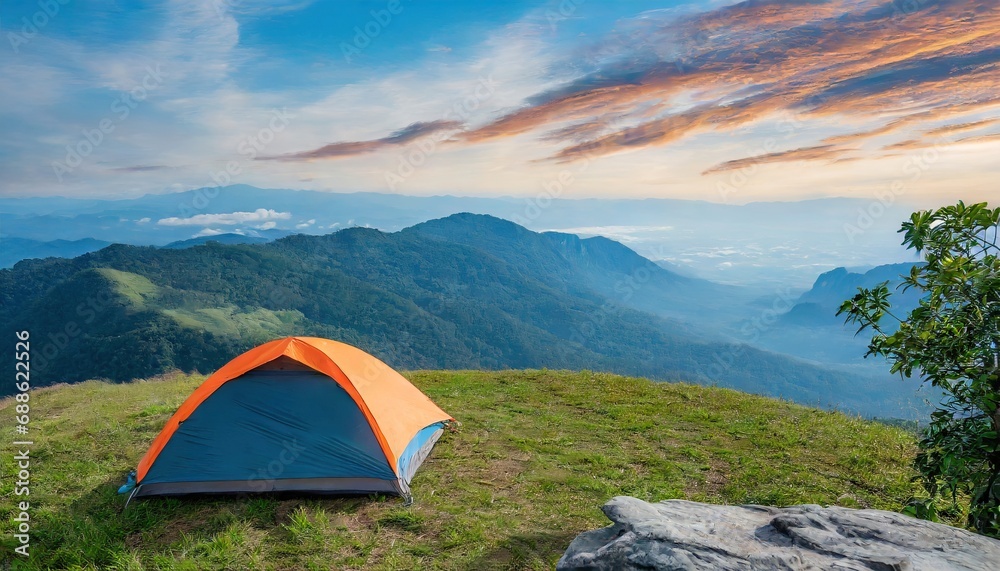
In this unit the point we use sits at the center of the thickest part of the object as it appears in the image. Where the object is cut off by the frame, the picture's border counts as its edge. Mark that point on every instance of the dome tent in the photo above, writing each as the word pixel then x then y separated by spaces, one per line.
pixel 295 414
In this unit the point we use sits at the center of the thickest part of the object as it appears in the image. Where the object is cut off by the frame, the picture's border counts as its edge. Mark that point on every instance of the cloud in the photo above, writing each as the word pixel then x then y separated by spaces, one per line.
pixel 141 168
pixel 911 144
pixel 821 152
pixel 907 144
pixel 345 149
pixel 662 80
pixel 145 220
pixel 306 224
pixel 260 215
pixel 884 129
pixel 942 112
pixel 661 98
pixel 618 233
pixel 740 64
pixel 961 127
pixel 208 232
pixel 990 138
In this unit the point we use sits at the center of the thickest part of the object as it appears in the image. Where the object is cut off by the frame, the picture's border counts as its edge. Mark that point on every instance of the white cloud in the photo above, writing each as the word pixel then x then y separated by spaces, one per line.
pixel 306 224
pixel 622 234
pixel 266 226
pixel 208 232
pixel 265 216
pixel 143 220
pixel 720 253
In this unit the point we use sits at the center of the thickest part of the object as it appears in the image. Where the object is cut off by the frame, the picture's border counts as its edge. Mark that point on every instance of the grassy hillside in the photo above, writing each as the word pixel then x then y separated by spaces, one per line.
pixel 535 456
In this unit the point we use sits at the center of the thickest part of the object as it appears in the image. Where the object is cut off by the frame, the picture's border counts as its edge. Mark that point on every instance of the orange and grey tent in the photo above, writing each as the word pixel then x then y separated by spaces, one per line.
pixel 296 414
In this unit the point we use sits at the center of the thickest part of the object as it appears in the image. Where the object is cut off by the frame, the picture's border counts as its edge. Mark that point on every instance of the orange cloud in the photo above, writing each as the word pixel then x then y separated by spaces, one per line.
pixel 822 152
pixel 906 145
pixel 961 127
pixel 761 58
pixel 817 61
pixel 980 138
pixel 910 144
pixel 346 149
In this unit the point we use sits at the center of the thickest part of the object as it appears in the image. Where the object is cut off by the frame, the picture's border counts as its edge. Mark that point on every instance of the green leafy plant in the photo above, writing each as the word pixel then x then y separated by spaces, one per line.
pixel 952 340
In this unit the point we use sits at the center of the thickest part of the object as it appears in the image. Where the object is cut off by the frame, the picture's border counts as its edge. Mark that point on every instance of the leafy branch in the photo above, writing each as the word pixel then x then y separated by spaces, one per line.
pixel 952 340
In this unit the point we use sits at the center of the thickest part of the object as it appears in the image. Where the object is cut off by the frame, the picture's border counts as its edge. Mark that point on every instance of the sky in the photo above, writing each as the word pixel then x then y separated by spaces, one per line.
pixel 715 100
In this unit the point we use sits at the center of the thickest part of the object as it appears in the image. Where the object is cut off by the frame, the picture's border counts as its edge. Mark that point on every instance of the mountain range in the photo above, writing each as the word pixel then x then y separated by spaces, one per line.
pixel 17 249
pixel 465 291
pixel 811 329
pixel 768 243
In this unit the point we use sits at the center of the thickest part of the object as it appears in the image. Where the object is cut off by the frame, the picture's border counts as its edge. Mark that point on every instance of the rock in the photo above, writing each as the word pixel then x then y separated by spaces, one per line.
pixel 677 535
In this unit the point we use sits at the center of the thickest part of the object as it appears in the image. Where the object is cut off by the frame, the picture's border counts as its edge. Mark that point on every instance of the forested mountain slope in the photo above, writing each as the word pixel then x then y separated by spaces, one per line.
pixel 418 298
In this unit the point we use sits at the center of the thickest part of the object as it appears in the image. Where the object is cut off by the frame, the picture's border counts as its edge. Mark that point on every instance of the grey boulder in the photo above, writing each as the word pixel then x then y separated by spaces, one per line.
pixel 677 535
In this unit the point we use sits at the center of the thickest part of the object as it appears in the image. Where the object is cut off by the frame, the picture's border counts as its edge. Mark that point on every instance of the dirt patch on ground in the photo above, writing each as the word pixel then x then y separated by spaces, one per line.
pixel 503 472
pixel 174 531
pixel 283 511
pixel 716 477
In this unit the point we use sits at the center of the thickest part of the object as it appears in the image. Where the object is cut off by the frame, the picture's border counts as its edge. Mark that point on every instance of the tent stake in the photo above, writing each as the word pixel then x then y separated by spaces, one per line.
pixel 130 496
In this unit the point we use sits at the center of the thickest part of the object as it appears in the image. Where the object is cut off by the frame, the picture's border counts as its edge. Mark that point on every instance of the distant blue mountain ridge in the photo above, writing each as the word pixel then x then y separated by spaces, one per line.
pixel 770 243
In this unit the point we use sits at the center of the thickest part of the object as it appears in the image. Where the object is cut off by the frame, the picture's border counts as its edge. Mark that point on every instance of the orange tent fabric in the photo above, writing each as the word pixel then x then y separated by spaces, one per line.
pixel 395 409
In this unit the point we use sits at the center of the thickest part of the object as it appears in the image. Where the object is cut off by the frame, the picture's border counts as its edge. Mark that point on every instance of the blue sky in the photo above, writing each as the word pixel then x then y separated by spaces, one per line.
pixel 718 101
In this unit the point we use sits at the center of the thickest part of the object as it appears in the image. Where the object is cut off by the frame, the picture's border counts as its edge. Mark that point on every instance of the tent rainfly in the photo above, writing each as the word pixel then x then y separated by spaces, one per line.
pixel 296 414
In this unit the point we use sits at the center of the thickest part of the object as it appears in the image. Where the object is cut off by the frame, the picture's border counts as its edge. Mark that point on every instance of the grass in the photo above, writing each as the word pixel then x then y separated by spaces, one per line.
pixel 227 321
pixel 230 321
pixel 136 288
pixel 536 455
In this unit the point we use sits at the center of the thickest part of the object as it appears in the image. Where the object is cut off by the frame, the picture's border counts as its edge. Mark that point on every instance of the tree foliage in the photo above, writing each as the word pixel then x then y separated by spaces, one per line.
pixel 952 340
